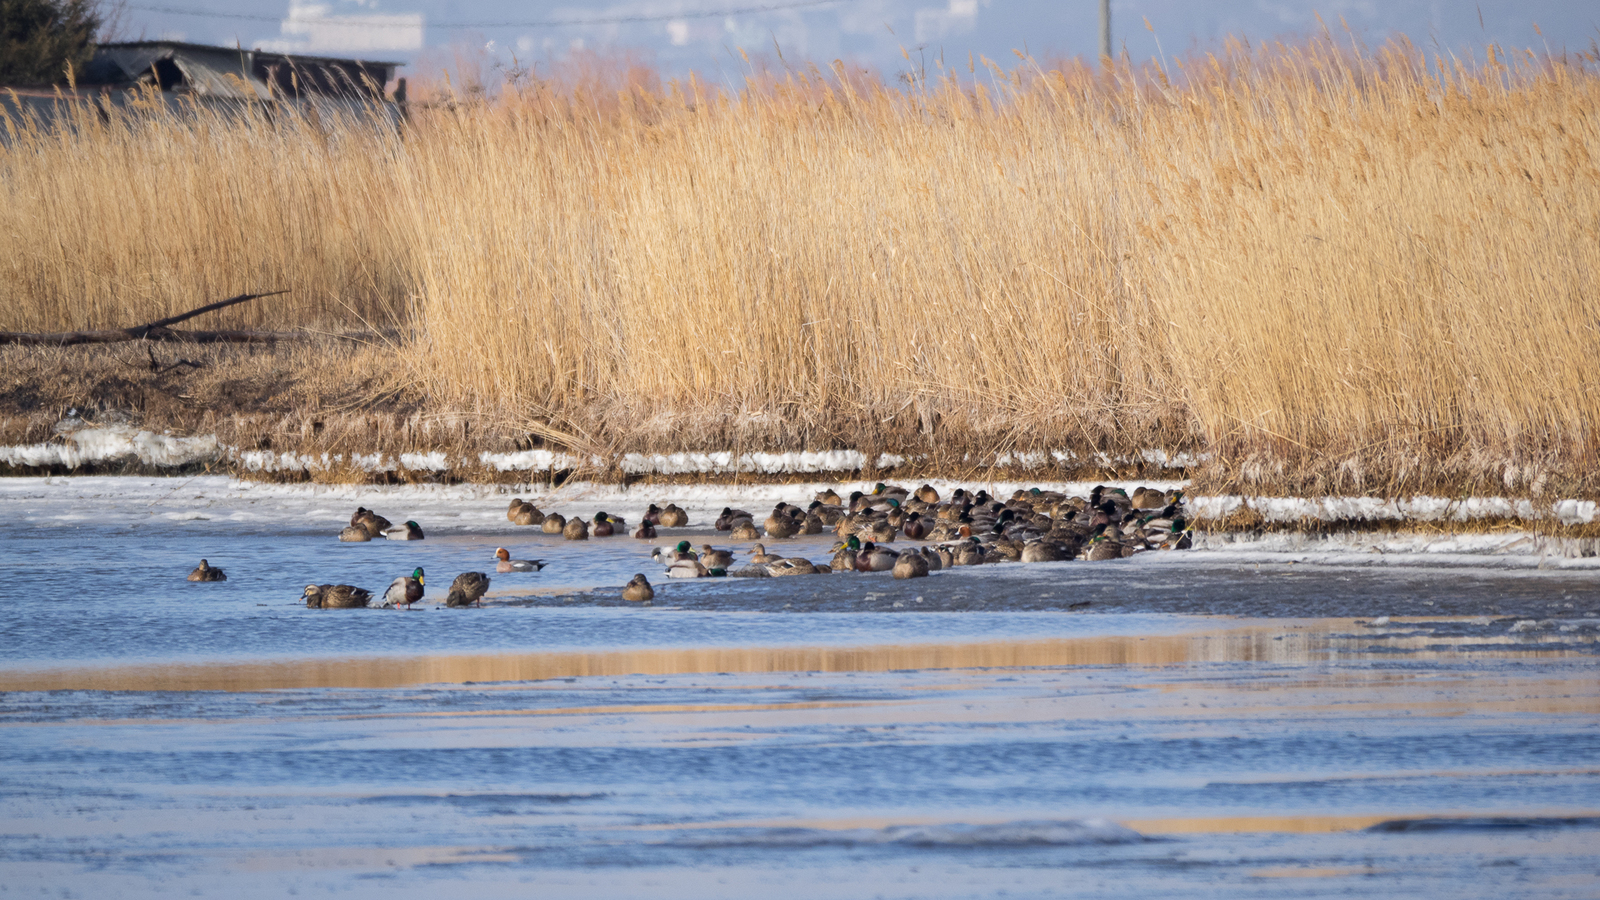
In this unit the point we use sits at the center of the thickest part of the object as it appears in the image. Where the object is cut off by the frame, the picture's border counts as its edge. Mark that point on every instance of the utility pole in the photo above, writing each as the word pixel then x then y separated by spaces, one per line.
pixel 1105 32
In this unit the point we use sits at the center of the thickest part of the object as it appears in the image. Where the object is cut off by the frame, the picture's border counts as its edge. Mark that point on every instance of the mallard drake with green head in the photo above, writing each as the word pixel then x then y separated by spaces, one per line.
pixel 335 596
pixel 845 553
pixel 645 532
pixel 504 562
pixel 405 590
pixel 605 524
pixel 468 588
pixel 638 590
pixel 205 572
pixel 410 531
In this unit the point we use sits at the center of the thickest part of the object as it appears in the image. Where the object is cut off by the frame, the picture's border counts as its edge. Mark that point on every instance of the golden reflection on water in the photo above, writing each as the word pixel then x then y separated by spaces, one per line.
pixel 1286 641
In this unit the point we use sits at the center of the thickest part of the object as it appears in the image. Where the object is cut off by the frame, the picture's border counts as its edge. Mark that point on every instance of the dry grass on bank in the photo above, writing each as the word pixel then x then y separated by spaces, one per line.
pixel 1334 272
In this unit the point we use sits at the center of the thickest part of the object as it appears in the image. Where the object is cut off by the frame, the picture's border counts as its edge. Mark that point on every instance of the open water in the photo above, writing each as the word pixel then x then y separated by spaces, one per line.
pixel 1211 724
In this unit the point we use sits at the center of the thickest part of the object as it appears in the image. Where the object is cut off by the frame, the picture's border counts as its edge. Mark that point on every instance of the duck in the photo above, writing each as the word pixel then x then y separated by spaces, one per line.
pixel 715 559
pixel 355 534
pixel 638 590
pixel 779 525
pixel 688 567
pixel 927 494
pixel 811 523
pixel 522 512
pixel 371 521
pixel 576 530
pixel 935 560
pixel 669 555
pixel 606 525
pixel 829 497
pixel 744 531
pixel 794 565
pixel 760 556
pixel 880 531
pixel 410 531
pixel 335 596
pixel 204 572
pixel 673 517
pixel 646 531
pixel 828 514
pixel 652 515
pixel 873 558
pixel 1103 548
pixel 968 553
pixel 1042 551
pixel 504 562
pixel 911 565
pixel 468 588
pixel 845 554
pixel 554 523
pixel 915 528
pixel 405 590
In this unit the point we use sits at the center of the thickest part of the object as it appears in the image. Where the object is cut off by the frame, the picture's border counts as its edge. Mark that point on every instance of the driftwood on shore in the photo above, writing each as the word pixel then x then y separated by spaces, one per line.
pixel 158 331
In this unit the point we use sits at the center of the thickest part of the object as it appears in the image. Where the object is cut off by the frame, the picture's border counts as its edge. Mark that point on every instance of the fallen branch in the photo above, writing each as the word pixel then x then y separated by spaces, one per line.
pixel 158 331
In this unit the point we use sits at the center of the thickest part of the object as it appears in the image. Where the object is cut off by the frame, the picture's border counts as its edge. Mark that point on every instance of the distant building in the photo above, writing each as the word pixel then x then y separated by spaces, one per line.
pixel 217 75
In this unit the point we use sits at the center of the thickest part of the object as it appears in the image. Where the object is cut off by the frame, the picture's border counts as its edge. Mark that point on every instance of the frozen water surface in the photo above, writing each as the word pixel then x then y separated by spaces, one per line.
pixel 1219 723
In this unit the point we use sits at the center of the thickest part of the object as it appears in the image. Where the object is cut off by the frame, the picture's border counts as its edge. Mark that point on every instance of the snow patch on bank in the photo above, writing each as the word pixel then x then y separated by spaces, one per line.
pixel 1374 509
pixel 92 446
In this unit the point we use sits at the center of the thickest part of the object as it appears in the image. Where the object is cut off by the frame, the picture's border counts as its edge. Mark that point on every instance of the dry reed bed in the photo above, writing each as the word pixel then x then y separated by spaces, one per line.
pixel 1333 272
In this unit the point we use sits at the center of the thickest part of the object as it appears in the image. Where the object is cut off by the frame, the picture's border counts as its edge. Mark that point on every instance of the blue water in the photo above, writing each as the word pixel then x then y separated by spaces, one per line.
pixel 1180 762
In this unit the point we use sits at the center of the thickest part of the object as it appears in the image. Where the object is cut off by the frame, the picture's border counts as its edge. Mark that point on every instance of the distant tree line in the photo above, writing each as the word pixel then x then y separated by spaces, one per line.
pixel 40 39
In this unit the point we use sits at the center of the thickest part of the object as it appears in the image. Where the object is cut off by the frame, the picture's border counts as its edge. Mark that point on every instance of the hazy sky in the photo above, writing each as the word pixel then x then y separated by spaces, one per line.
pixel 669 34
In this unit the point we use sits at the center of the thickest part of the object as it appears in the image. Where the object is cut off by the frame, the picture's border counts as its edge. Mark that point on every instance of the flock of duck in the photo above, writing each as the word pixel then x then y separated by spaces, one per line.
pixel 967 528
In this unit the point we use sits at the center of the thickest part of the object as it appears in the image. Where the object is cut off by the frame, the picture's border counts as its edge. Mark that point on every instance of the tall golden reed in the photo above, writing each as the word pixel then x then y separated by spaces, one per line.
pixel 1328 269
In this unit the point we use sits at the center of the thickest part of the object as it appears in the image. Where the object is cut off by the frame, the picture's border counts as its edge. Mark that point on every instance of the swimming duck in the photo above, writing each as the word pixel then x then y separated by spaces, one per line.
pixel 873 558
pixel 467 589
pixel 371 521
pixel 355 534
pixel 504 562
pixel 880 531
pixel 688 567
pixel 645 532
pixel 576 530
pixel 1042 551
pixel 410 531
pixel 405 590
pixel 911 565
pixel 638 590
pixel 715 559
pixel 335 596
pixel 779 525
pixel 669 555
pixel 845 553
pixel 795 565
pixel 760 556
pixel 554 523
pixel 204 572
pixel 673 517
